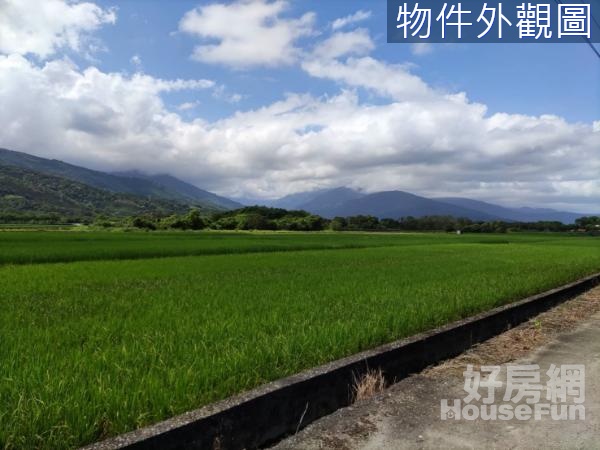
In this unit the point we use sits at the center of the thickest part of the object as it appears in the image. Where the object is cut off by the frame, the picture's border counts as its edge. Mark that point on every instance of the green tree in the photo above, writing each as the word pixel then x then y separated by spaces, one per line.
pixel 338 224
pixel 254 221
pixel 144 223
pixel 363 223
pixel 195 221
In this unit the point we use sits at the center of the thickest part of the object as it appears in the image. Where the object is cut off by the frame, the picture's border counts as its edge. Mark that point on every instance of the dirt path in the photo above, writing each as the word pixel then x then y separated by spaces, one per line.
pixel 407 415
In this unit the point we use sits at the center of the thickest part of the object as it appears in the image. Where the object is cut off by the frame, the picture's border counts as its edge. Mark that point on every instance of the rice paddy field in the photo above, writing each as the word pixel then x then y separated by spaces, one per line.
pixel 101 333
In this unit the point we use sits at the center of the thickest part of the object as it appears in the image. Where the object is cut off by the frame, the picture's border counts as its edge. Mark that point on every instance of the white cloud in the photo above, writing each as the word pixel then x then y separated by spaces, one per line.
pixel 435 144
pixel 222 93
pixel 43 27
pixel 60 110
pixel 235 98
pixel 421 48
pixel 388 80
pixel 336 59
pixel 248 33
pixel 187 106
pixel 416 138
pixel 357 42
pixel 358 16
pixel 136 61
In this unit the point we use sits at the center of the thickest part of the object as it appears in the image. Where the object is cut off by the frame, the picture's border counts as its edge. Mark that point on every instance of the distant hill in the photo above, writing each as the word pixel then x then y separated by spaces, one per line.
pixel 515 214
pixel 324 203
pixel 185 190
pixel 62 188
pixel 396 204
pixel 345 202
pixel 25 192
pixel 295 201
pixel 317 200
pixel 163 187
pixel 302 200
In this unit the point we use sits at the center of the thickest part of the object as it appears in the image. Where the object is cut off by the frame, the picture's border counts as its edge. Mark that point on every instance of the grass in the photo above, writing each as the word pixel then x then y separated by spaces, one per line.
pixel 369 385
pixel 22 247
pixel 27 247
pixel 91 349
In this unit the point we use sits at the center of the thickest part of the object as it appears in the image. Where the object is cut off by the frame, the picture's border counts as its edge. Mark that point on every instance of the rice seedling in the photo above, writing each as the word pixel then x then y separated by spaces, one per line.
pixel 90 349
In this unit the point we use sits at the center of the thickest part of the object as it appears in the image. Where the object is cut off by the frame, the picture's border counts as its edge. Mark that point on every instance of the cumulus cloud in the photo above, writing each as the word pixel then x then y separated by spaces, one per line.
pixel 388 80
pixel 41 28
pixel 415 138
pixel 341 58
pixel 87 115
pixel 357 42
pixel 358 16
pixel 439 144
pixel 247 33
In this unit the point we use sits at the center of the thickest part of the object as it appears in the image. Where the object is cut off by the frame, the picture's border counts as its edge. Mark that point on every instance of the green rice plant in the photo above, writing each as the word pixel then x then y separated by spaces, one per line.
pixel 28 247
pixel 93 349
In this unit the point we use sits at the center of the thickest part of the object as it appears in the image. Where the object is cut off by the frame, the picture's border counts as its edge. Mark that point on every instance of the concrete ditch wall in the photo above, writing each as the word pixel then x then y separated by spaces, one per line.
pixel 271 412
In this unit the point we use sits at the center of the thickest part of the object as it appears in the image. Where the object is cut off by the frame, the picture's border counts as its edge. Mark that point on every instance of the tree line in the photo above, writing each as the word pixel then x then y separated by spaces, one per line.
pixel 265 218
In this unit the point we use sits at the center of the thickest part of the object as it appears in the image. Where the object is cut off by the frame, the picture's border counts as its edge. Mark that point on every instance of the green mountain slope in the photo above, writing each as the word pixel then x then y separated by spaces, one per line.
pixel 27 193
pixel 160 187
pixel 185 190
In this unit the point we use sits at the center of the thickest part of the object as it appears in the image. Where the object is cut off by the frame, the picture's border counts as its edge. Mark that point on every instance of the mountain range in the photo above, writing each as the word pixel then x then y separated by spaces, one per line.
pixel 34 185
pixel 29 194
pixel 163 187
pixel 523 214
pixel 38 185
pixel 345 202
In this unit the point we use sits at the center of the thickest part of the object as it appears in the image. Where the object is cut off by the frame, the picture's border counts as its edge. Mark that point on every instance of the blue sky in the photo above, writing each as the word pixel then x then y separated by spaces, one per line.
pixel 263 98
pixel 562 79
